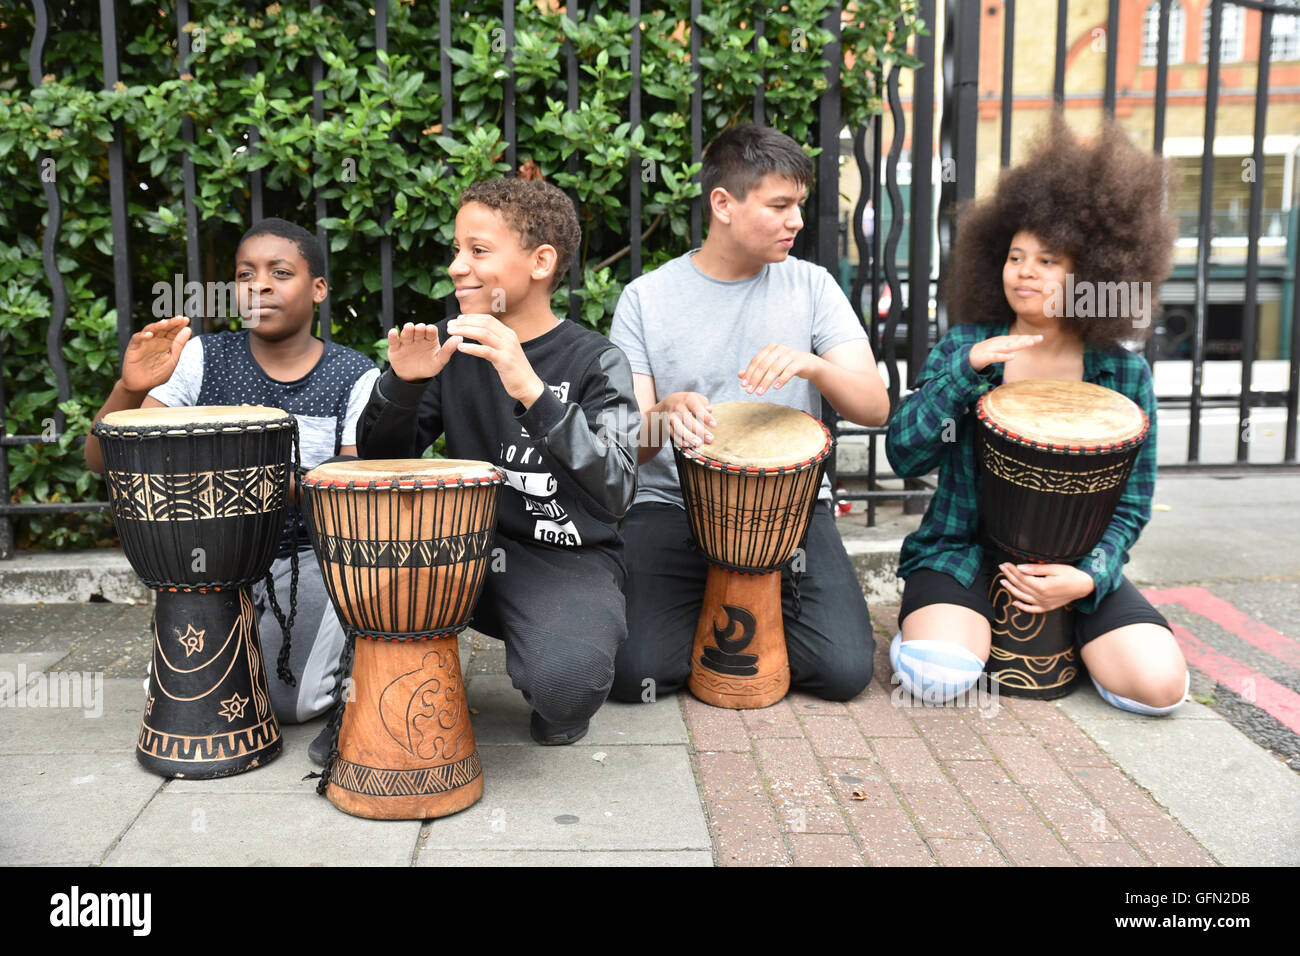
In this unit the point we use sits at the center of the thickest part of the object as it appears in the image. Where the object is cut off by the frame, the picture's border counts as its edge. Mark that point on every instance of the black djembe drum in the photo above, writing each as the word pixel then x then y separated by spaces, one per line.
pixel 1054 457
pixel 198 497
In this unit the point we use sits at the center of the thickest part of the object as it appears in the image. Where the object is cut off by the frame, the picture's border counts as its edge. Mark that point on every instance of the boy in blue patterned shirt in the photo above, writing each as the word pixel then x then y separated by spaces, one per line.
pixel 275 361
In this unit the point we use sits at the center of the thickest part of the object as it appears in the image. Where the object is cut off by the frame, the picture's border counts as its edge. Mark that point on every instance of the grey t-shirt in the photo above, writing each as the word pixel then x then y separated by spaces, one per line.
pixel 694 333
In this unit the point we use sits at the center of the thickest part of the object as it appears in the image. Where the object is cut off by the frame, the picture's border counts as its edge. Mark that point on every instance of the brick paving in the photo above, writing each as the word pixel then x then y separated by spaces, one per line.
pixel 881 781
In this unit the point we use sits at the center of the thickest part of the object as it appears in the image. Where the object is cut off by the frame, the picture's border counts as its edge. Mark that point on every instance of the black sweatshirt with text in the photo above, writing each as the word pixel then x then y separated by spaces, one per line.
pixel 569 460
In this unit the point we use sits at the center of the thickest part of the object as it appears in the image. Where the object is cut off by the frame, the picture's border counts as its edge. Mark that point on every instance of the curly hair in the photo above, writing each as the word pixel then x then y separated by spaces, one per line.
pixel 307 244
pixel 539 212
pixel 1102 201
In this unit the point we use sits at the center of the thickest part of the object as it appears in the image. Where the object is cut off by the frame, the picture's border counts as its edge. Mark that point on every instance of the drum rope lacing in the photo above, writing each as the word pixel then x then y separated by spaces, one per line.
pixel 282 668
pixel 334 504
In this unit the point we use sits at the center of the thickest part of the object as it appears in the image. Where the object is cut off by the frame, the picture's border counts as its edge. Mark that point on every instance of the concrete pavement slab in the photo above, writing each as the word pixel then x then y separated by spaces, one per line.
pixel 502 718
pixel 561 798
pixel 31 577
pixel 17 670
pixel 1241 803
pixel 284 774
pixel 68 808
pixel 260 829
pixel 106 721
pixel 568 858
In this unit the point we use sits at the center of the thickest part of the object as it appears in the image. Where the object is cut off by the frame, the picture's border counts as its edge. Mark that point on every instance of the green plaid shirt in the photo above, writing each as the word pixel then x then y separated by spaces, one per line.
pixel 943 406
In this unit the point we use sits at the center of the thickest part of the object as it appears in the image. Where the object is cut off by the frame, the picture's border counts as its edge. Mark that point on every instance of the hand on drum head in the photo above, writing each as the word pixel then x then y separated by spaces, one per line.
pixel 153 352
pixel 1000 348
pixel 1039 588
pixel 415 353
pixel 775 365
pixel 689 419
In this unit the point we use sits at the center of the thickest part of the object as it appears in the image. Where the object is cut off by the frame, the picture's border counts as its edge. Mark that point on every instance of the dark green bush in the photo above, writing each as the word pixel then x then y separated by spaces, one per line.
pixel 380 157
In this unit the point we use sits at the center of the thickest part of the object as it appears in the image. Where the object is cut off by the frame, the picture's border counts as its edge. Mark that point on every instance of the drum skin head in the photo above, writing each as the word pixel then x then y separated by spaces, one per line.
pixel 763 435
pixel 1063 413
pixel 183 415
pixel 385 471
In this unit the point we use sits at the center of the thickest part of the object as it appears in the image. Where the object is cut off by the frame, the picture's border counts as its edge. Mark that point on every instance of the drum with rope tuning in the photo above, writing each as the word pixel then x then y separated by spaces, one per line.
pixel 199 496
pixel 1053 457
pixel 404 546
pixel 749 499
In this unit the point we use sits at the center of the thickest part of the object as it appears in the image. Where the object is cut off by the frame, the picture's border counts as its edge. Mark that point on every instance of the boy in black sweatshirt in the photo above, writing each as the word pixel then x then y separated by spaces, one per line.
pixel 551 404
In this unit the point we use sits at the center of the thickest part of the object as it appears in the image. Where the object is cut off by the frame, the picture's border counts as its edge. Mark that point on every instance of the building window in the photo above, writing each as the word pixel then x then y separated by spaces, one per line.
pixel 1151 33
pixel 1286 33
pixel 1231 32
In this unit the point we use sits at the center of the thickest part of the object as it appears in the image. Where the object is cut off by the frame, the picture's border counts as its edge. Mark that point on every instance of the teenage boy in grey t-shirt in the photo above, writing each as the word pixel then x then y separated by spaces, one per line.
pixel 740 319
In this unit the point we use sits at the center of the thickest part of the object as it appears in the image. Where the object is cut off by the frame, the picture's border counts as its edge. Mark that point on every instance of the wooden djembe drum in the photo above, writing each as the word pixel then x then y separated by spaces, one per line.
pixel 1054 457
pixel 404 546
pixel 749 497
pixel 198 497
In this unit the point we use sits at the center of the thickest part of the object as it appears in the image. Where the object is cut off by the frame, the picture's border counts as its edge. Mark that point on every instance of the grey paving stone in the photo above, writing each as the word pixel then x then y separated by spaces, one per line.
pixel 68 808
pixel 503 714
pixel 17 669
pixel 284 774
pixel 1236 799
pixel 1087 703
pixel 568 858
pixel 47 730
pixel 559 798
pixel 260 829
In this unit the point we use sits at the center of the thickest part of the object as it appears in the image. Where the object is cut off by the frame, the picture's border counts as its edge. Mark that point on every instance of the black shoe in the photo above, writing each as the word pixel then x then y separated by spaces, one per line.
pixel 551 735
pixel 319 749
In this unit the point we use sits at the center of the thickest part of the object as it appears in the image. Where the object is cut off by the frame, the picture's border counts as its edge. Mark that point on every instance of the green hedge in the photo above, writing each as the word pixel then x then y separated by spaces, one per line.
pixel 381 146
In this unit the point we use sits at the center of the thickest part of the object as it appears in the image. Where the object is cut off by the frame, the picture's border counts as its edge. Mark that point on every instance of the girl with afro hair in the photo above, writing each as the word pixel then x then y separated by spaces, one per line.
pixel 1077 214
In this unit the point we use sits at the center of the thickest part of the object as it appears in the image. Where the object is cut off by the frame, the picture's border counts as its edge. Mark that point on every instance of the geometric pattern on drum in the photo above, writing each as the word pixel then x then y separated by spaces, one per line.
pixel 211 747
pixel 1037 478
pixel 411 712
pixel 405 554
pixel 377 782
pixel 197 496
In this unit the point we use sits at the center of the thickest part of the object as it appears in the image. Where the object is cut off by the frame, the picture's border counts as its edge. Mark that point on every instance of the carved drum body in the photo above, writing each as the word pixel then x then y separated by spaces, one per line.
pixel 1054 458
pixel 198 497
pixel 404 546
pixel 749 498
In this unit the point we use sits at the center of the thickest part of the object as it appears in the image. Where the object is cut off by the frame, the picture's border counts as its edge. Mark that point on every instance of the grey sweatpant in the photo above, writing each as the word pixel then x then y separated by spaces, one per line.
pixel 317 641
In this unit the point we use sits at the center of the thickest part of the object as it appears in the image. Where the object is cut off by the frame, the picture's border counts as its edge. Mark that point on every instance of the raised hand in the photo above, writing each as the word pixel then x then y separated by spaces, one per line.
pixel 775 365
pixel 498 343
pixel 1000 348
pixel 153 352
pixel 415 353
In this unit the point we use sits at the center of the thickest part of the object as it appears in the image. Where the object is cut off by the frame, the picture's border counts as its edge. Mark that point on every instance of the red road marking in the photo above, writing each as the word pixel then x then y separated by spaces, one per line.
pixel 1213 608
pixel 1281 702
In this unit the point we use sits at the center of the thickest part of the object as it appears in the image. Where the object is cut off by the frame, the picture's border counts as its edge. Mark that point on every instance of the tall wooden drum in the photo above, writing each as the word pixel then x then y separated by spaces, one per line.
pixel 1054 457
pixel 198 497
pixel 749 497
pixel 404 546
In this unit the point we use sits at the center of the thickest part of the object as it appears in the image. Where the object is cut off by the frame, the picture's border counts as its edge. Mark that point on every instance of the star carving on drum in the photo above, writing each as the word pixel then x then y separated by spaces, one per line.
pixel 233 708
pixel 192 639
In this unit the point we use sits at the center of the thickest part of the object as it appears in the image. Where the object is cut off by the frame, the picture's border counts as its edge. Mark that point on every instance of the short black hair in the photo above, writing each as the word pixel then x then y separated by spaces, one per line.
pixel 540 213
pixel 739 158
pixel 307 244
